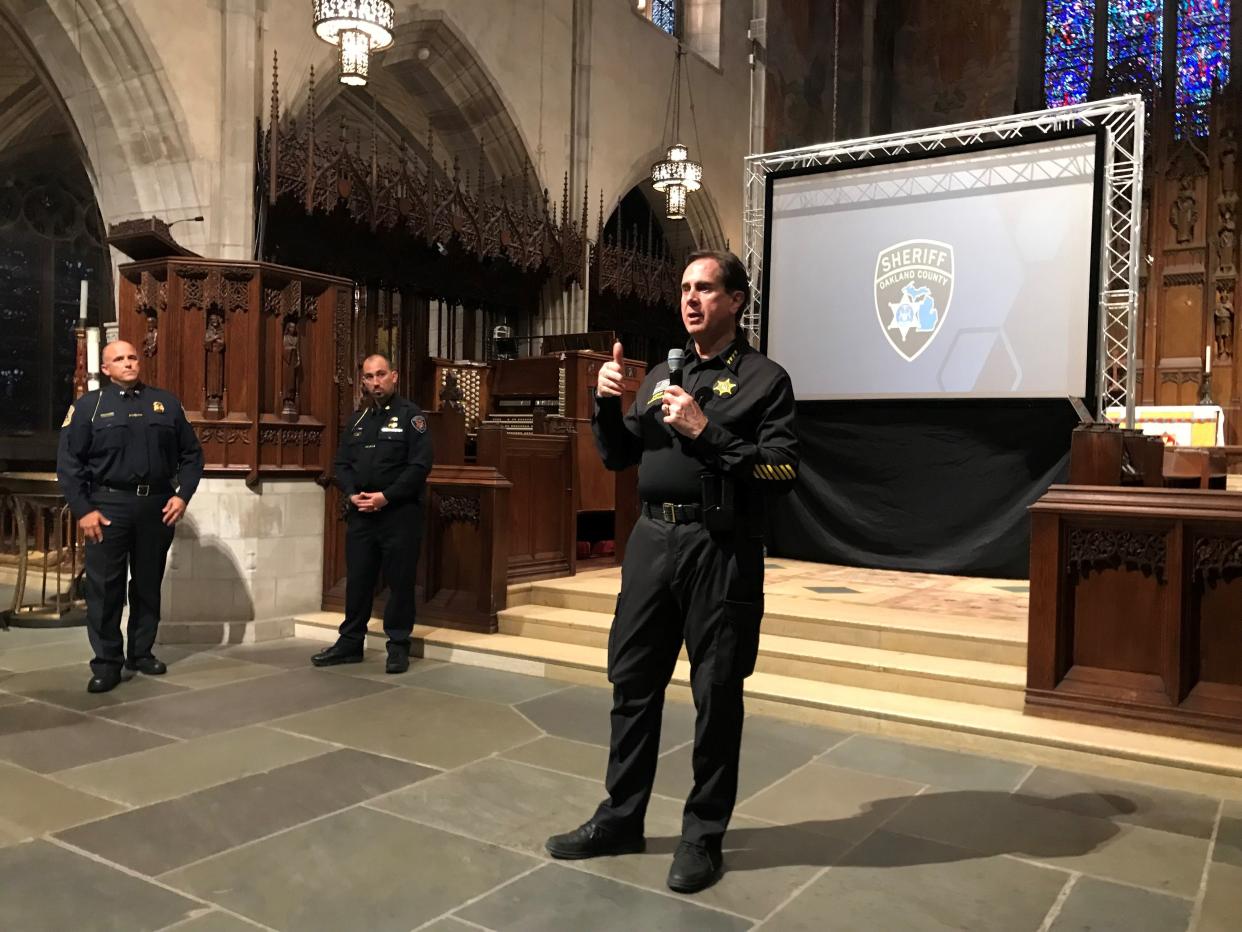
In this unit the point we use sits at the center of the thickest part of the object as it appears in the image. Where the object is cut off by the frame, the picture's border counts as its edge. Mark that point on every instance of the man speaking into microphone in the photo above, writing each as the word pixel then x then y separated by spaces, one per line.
pixel 712 433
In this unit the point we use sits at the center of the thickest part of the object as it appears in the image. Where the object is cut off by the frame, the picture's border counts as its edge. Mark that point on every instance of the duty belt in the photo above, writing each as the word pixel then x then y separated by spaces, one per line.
pixel 672 513
pixel 135 488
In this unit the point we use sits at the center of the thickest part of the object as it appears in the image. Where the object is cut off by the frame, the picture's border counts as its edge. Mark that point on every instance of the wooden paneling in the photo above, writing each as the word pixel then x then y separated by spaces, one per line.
pixel 257 413
pixel 542 525
pixel 1136 609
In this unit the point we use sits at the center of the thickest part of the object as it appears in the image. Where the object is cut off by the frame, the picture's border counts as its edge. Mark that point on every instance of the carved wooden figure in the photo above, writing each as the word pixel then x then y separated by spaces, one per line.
pixel 213 364
pixel 291 367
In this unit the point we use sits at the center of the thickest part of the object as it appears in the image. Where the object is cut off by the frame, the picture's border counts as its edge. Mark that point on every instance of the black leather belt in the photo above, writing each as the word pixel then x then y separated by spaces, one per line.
pixel 673 513
pixel 133 488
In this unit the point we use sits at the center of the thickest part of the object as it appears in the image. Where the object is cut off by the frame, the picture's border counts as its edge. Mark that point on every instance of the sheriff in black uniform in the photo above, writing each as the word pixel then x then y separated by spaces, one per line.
pixel 381 467
pixel 128 464
pixel 709 447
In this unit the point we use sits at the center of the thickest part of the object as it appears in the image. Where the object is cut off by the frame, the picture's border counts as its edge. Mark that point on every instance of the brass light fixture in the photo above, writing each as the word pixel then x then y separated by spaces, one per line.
pixel 677 174
pixel 359 27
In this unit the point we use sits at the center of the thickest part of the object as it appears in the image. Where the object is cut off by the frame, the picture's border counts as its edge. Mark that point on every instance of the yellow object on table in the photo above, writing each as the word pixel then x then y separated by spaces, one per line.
pixel 1177 425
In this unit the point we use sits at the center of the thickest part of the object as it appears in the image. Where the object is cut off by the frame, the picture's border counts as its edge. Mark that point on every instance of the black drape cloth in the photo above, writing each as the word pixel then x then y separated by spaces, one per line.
pixel 938 487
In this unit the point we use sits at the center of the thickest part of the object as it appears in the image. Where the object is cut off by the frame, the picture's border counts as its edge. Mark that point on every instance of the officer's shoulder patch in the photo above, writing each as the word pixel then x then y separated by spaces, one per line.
pixel 68 417
pixel 419 423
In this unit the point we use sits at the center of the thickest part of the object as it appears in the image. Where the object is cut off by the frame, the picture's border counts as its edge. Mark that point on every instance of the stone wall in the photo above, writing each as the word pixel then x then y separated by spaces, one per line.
pixel 165 102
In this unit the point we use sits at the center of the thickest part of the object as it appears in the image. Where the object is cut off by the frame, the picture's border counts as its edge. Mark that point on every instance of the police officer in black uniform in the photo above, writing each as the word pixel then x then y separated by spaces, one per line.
pixel 381 467
pixel 711 441
pixel 128 465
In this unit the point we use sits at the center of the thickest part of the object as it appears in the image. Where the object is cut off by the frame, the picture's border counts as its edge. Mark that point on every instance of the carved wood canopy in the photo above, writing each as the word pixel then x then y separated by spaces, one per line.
pixel 378 211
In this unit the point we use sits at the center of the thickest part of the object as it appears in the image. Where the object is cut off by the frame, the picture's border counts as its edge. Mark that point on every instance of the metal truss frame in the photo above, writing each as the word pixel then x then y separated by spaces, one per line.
pixel 1122 119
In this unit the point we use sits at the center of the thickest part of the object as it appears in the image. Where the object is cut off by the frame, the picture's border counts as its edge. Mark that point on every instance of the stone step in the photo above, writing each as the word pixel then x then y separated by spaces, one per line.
pixel 926 675
pixel 1188 765
pixel 838 621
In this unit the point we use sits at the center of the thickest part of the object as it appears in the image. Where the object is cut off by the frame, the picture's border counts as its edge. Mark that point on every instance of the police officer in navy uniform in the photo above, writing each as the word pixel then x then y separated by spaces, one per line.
pixel 381 467
pixel 128 464
pixel 711 443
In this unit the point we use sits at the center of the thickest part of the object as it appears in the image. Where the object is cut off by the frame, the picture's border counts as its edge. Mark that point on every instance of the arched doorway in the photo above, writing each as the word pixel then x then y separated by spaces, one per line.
pixel 51 239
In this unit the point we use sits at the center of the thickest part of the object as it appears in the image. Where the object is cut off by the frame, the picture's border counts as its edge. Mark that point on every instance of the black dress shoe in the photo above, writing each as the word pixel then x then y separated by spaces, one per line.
pixel 148 665
pixel 398 657
pixel 695 867
pixel 592 840
pixel 338 653
pixel 104 682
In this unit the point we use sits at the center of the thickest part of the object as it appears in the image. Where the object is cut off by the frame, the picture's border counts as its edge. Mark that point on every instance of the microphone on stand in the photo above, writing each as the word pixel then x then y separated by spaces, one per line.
pixel 676 357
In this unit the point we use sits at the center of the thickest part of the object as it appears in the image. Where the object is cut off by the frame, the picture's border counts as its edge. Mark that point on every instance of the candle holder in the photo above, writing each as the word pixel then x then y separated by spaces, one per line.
pixel 1205 389
pixel 79 363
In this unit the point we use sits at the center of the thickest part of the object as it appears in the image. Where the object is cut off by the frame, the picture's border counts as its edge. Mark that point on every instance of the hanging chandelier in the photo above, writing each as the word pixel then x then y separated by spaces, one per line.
pixel 677 174
pixel 359 27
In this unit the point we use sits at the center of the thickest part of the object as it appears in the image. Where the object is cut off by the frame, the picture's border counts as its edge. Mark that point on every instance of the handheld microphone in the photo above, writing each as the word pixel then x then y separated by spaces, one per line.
pixel 675 358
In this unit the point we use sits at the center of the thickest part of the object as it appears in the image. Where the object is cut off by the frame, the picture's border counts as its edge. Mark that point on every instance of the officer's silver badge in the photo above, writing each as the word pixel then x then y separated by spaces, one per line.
pixel 913 288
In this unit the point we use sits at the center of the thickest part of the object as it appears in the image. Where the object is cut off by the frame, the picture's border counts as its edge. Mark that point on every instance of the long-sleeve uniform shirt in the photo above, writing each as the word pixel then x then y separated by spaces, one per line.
pixel 124 438
pixel 749 404
pixel 386 448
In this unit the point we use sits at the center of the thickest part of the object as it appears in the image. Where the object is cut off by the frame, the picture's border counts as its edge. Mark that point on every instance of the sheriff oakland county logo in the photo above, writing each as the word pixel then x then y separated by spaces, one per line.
pixel 913 288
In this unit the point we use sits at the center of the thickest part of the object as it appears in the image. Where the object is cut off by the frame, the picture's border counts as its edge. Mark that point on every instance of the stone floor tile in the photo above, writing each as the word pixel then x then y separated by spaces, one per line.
pixel 398 874
pixel 286 653
pixel 18 638
pixel 764 864
pixel 1131 803
pixel 1100 906
pixel 831 801
pixel 771 750
pixel 204 670
pixel 508 803
pixel 418 725
pixel 47 888
pixel 934 766
pixel 996 823
pixel 449 924
pixel 188 766
pixel 214 921
pixel 561 754
pixel 481 683
pixel 896 883
pixel 582 714
pixel 1222 898
pixel 66 686
pixel 45 738
pixel 372 668
pixel 1228 848
pixel 42 656
pixel 37 805
pixel 223 708
pixel 169 835
pixel 558 897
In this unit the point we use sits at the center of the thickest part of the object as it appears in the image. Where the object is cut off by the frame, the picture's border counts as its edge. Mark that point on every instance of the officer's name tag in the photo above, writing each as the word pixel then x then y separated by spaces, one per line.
pixel 392 430
pixel 108 414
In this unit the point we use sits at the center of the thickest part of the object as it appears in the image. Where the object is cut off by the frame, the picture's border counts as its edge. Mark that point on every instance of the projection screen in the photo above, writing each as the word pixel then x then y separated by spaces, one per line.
pixel 966 275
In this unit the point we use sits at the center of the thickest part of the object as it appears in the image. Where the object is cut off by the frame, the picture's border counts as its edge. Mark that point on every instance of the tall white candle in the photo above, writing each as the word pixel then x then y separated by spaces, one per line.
pixel 92 350
pixel 82 300
pixel 1207 359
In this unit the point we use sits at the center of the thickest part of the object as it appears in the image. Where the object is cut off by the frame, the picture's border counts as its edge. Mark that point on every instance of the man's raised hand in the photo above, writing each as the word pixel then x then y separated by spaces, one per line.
pixel 610 384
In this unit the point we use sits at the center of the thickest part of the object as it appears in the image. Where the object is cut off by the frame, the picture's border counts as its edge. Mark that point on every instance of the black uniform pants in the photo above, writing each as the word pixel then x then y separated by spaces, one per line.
pixel 386 540
pixel 135 543
pixel 680 582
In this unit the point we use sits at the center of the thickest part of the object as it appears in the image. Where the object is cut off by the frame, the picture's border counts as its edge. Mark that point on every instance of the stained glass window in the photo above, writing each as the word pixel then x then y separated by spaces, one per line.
pixel 664 15
pixel 1069 39
pixel 1135 43
pixel 1202 59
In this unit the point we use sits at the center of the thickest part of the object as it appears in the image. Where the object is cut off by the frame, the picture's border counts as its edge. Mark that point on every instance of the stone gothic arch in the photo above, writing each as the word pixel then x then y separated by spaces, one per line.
pixel 115 94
